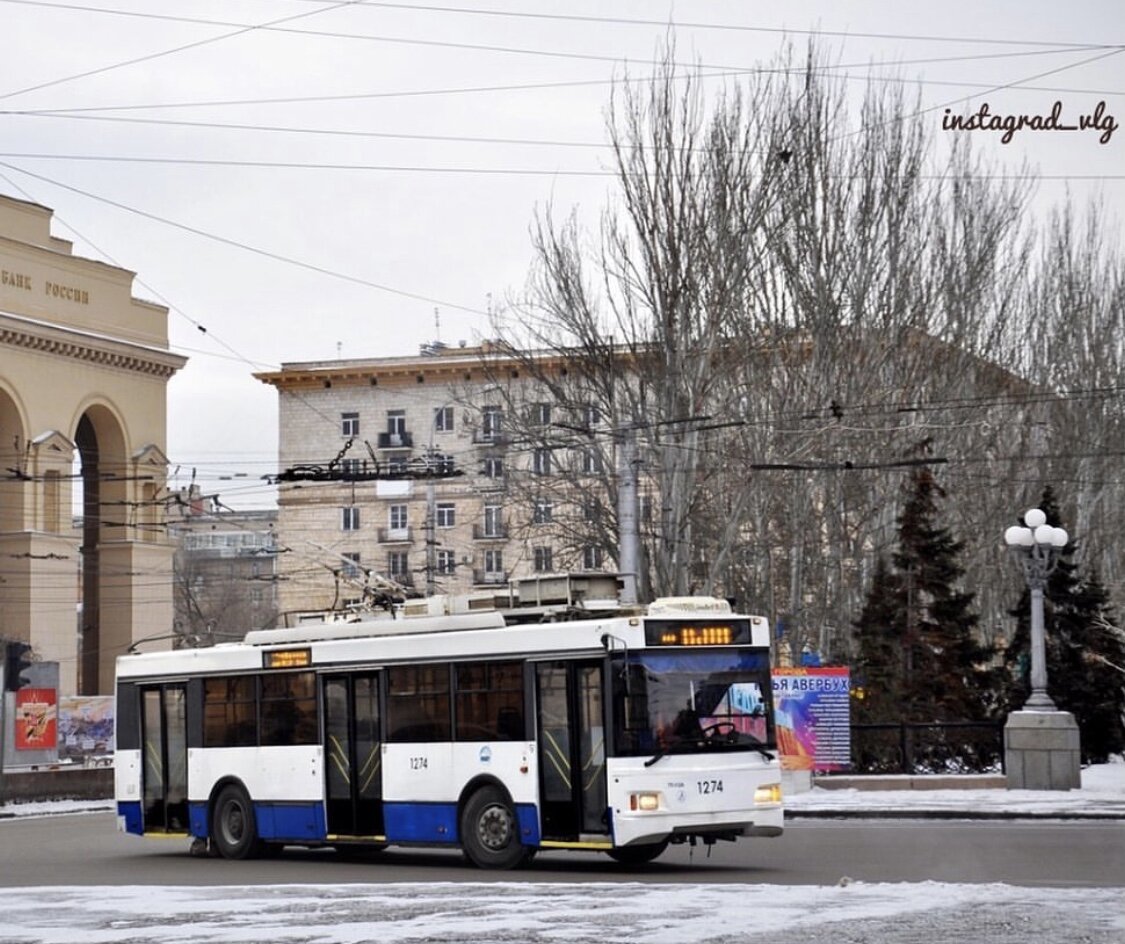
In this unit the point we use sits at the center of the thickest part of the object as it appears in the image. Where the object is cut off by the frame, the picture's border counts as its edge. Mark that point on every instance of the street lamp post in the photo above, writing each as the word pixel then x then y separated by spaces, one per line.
pixel 1041 744
pixel 1037 548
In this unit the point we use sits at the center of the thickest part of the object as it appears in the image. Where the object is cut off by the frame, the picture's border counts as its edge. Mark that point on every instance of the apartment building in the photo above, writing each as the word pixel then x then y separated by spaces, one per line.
pixel 404 469
pixel 224 569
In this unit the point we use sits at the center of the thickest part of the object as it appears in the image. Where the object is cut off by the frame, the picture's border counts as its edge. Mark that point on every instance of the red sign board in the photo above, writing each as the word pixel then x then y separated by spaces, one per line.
pixel 36 719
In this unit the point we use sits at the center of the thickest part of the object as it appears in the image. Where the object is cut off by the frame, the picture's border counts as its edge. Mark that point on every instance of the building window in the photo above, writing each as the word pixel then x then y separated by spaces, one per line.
pixel 542 562
pixel 350 468
pixel 349 519
pixel 349 424
pixel 540 414
pixel 446 562
pixel 592 511
pixel 494 562
pixel 446 516
pixel 541 461
pixel 398 564
pixel 591 461
pixel 398 519
pixel 439 463
pixel 396 422
pixel 493 521
pixel 443 419
pixel 396 465
pixel 543 512
pixel 351 564
pixel 492 422
pixel 591 557
pixel 591 415
pixel 493 467
pixel 646 509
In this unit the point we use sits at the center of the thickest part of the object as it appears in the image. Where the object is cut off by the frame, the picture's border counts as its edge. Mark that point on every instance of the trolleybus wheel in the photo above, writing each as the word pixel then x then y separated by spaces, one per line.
pixel 490 832
pixel 233 830
pixel 637 855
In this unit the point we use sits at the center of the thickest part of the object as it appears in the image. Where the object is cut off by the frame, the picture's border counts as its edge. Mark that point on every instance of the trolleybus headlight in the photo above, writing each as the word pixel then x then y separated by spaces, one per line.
pixel 767 793
pixel 644 801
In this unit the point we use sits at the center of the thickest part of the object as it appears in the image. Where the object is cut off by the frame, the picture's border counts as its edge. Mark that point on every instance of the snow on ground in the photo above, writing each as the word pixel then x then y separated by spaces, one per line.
pixel 563 914
pixel 605 913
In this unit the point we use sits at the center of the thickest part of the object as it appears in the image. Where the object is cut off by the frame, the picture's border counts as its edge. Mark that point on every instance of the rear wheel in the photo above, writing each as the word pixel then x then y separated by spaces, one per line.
pixel 490 833
pixel 233 830
pixel 637 855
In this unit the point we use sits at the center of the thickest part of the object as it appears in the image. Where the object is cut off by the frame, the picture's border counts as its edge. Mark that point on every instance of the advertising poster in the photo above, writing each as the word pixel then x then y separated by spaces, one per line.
pixel 812 715
pixel 36 719
pixel 85 727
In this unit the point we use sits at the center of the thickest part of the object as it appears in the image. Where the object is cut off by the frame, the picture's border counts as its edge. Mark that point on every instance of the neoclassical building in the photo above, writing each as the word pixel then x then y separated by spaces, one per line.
pixel 83 373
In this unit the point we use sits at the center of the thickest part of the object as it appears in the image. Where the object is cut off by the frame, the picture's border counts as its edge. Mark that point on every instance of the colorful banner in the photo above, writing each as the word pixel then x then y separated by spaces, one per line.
pixel 85 727
pixel 812 716
pixel 36 719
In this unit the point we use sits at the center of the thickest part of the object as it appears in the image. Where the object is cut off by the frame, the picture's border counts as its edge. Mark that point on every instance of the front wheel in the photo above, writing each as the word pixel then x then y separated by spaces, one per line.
pixel 637 855
pixel 490 832
pixel 233 830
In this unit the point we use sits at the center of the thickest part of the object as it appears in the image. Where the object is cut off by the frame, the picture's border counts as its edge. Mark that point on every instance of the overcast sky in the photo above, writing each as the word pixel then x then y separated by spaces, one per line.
pixel 154 130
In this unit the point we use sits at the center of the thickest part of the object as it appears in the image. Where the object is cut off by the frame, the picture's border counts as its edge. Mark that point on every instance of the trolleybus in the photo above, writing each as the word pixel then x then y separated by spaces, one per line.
pixel 618 734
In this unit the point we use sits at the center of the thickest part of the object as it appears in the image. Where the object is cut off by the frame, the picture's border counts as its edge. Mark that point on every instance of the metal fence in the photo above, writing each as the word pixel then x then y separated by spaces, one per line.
pixel 952 747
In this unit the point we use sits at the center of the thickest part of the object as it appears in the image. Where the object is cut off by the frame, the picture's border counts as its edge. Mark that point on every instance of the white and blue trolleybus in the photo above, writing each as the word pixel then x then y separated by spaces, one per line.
pixel 619 733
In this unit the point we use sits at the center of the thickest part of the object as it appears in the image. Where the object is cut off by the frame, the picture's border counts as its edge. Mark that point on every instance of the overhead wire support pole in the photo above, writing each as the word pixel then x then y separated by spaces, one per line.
pixel 628 539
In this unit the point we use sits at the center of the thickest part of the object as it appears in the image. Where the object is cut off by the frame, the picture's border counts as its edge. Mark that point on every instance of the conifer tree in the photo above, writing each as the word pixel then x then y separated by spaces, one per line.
pixel 942 669
pixel 879 664
pixel 1085 652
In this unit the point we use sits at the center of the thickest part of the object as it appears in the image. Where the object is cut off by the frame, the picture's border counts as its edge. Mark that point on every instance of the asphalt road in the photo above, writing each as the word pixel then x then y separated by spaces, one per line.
pixel 85 849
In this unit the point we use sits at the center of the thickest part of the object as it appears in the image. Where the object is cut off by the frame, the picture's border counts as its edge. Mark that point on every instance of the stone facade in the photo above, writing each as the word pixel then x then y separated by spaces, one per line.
pixel 83 370
pixel 356 417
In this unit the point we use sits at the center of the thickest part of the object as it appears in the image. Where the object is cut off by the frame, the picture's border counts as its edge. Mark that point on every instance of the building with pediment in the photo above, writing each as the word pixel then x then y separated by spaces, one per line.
pixel 84 368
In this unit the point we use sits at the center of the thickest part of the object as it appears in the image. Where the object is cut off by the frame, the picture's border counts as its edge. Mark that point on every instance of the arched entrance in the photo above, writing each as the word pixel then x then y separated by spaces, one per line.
pixel 100 442
pixel 83 370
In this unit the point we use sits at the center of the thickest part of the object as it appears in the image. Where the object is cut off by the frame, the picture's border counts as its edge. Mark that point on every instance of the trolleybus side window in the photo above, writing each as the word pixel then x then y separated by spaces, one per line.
pixel 289 708
pixel 418 703
pixel 230 712
pixel 489 701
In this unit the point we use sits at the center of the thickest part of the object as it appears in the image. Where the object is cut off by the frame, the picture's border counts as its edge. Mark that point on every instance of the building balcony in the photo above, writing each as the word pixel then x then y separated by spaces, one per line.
pixel 490 533
pixel 490 437
pixel 403 580
pixel 403 440
pixel 490 577
pixel 396 535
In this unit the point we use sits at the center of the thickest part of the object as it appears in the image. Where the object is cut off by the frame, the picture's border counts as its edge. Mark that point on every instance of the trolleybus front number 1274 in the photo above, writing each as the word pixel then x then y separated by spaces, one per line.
pixel 620 734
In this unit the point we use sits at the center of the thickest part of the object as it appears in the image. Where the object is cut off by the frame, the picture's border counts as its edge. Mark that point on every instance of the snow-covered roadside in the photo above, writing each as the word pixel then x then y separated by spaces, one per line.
pixel 562 914
pixel 1102 794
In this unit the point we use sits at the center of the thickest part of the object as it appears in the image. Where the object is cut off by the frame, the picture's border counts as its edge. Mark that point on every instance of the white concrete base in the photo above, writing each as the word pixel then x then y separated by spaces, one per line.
pixel 795 781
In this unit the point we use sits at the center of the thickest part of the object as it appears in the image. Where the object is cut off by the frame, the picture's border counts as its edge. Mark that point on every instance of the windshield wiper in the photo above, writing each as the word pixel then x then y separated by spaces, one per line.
pixel 664 751
pixel 711 744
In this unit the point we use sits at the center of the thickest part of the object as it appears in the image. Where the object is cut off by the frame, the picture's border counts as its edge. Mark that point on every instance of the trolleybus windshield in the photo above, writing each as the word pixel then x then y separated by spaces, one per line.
pixel 692 702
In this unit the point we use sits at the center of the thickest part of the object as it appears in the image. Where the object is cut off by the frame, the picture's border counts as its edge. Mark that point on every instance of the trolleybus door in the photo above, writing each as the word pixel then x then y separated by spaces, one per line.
pixel 164 737
pixel 571 736
pixel 353 756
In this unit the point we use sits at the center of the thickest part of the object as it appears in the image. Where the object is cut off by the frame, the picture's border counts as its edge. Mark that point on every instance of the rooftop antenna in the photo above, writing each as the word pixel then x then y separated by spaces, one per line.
pixel 437 325
pixel 339 349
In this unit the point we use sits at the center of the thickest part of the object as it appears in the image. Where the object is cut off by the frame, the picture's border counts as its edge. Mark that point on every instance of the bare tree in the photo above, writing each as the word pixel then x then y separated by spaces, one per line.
pixel 791 302
pixel 644 340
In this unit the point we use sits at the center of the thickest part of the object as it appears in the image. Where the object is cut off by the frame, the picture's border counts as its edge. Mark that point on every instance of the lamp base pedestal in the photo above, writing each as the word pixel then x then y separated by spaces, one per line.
pixel 1042 751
